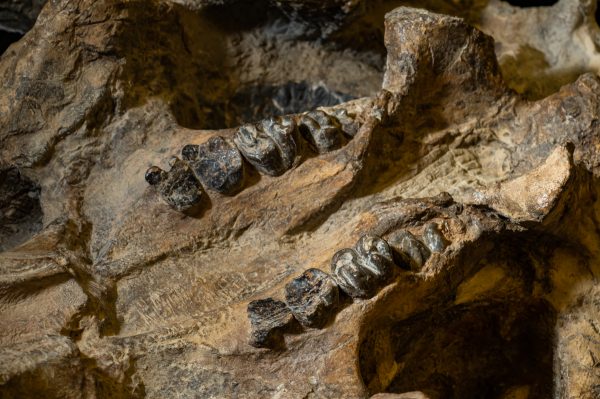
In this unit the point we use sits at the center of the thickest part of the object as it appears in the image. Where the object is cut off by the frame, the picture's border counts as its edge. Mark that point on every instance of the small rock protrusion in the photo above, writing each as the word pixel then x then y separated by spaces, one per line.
pixel 321 130
pixel 217 164
pixel 312 297
pixel 268 320
pixel 178 187
pixel 408 250
pixel 433 238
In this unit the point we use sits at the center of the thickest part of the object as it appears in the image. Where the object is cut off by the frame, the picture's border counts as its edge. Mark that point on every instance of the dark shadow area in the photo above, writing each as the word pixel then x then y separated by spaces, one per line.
pixel 20 210
pixel 470 351
pixel 7 38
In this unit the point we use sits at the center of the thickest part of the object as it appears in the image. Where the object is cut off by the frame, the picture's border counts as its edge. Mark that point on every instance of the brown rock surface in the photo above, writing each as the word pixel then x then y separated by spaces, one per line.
pixel 106 291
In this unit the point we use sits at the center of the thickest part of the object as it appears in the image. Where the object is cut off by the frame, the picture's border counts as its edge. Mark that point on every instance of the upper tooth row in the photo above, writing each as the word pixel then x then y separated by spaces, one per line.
pixel 359 272
pixel 272 146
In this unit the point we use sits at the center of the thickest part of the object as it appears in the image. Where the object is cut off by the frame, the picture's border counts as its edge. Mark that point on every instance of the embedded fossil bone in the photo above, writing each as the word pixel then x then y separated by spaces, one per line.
pixel 217 165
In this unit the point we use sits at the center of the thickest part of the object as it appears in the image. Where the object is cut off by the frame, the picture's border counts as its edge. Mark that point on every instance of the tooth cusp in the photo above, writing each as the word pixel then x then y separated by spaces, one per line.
pixel 322 131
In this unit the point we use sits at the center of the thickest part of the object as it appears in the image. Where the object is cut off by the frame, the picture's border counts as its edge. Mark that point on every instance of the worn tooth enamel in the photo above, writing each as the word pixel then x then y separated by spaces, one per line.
pixel 312 297
pixel 178 187
pixel 259 149
pixel 282 130
pixel 349 125
pixel 433 238
pixel 321 130
pixel 217 164
pixel 376 256
pixel 408 250
pixel 350 275
pixel 268 320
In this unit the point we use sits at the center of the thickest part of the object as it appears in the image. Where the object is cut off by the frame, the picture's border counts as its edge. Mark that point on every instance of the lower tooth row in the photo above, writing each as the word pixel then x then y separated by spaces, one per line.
pixel 359 272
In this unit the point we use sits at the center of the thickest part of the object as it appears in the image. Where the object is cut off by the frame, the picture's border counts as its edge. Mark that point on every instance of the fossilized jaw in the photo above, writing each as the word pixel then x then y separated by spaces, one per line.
pixel 216 164
pixel 272 146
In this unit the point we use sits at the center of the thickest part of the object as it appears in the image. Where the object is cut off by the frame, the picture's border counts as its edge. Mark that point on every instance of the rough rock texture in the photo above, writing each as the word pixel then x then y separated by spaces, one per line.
pixel 468 146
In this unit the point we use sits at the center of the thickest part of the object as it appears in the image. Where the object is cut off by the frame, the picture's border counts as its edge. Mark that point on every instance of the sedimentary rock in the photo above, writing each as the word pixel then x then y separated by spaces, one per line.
pixel 108 292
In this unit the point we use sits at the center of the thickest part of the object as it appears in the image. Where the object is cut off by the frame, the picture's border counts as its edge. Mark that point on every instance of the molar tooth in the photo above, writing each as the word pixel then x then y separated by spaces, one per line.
pixel 282 130
pixel 376 256
pixel 268 320
pixel 408 250
pixel 259 149
pixel 178 187
pixel 217 164
pixel 321 130
pixel 433 238
pixel 351 276
pixel 312 297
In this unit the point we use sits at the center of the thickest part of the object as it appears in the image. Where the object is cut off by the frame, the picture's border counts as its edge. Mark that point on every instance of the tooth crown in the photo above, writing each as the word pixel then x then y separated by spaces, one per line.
pixel 283 131
pixel 217 164
pixel 409 251
pixel 322 131
pixel 351 274
pixel 433 238
pixel 259 149
pixel 178 187
pixel 312 297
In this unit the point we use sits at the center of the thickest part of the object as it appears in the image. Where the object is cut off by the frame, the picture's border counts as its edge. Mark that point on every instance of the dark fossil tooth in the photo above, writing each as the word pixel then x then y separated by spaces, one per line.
pixel 349 125
pixel 217 164
pixel 259 149
pixel 178 187
pixel 268 320
pixel 351 275
pixel 408 250
pixel 312 297
pixel 282 130
pixel 321 130
pixel 376 256
pixel 433 238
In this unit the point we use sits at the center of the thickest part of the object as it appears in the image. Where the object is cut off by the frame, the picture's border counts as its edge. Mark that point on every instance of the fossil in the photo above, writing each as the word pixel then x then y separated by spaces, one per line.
pixel 178 187
pixel 408 250
pixel 312 297
pixel 217 164
pixel 321 130
pixel 268 320
pixel 433 238
pixel 259 149
pixel 283 131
